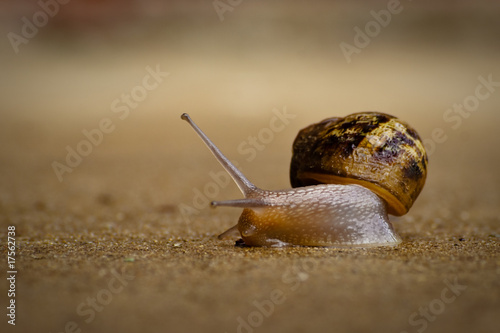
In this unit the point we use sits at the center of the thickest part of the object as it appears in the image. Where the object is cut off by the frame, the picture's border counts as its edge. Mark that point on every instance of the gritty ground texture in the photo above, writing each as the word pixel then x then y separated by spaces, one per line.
pixel 126 241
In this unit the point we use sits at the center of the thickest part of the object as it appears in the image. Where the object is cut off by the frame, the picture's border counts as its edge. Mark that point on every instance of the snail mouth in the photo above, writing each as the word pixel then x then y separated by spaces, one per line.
pixel 394 206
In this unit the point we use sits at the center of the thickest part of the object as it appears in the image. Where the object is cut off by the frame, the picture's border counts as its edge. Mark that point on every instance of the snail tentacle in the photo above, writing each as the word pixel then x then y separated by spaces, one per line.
pixel 231 232
pixel 245 203
pixel 245 186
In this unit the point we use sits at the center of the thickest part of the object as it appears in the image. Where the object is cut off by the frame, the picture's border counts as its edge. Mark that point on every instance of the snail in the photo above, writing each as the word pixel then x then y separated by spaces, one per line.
pixel 347 175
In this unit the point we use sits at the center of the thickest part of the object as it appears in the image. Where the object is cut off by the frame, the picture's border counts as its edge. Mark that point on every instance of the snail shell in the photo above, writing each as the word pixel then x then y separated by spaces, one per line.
pixel 372 149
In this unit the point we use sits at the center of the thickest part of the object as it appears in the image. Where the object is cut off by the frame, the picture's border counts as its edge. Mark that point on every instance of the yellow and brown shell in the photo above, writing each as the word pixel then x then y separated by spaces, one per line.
pixel 372 149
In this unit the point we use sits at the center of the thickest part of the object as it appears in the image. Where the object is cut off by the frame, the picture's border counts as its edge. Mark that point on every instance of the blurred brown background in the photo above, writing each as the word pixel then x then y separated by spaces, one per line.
pixel 122 205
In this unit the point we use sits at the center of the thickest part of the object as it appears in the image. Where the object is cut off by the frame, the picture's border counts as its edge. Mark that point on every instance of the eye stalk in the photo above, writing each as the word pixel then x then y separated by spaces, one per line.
pixel 243 183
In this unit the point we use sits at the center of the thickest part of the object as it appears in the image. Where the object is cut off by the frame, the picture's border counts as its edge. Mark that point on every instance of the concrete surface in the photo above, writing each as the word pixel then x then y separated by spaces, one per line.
pixel 125 242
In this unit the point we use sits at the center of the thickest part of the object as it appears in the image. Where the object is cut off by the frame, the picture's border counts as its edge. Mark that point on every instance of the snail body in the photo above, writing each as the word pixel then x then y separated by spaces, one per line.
pixel 321 215
pixel 345 214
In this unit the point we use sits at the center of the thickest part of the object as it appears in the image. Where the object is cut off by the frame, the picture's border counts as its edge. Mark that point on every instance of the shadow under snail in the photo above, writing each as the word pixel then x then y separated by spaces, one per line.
pixel 347 175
